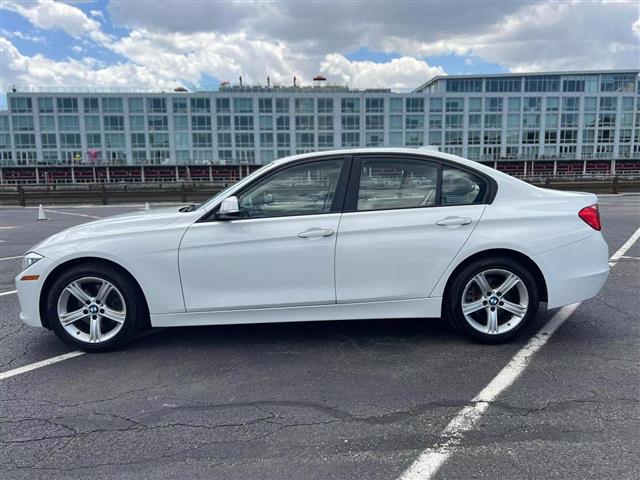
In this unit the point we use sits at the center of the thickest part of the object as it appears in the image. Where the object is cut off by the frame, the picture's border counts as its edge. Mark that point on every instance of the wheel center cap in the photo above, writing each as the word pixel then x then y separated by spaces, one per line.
pixel 493 301
pixel 93 309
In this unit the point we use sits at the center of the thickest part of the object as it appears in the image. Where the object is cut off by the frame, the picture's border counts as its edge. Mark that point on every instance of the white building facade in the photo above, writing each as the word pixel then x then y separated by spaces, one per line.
pixel 491 118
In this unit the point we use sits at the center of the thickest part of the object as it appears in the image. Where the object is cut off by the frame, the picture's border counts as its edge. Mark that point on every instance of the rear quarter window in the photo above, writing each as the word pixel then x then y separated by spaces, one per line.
pixel 460 187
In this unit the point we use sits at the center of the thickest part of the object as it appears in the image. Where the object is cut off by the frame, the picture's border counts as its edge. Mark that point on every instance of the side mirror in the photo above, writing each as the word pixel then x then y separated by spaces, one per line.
pixel 229 209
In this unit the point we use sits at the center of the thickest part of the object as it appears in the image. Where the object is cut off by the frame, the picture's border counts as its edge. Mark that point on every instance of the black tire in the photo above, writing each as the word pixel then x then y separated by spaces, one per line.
pixel 136 311
pixel 453 299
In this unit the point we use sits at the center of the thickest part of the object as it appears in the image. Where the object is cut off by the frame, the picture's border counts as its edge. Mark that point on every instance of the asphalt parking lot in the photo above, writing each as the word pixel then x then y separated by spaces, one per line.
pixel 338 400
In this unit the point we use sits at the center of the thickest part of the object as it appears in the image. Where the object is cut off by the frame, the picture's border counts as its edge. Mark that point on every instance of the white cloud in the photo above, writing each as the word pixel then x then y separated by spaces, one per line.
pixel 24 71
pixel 97 14
pixel 24 36
pixel 51 15
pixel 402 72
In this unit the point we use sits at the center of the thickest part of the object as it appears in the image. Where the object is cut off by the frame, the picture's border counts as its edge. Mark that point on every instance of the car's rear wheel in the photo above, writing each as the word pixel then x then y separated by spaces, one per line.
pixel 94 307
pixel 492 300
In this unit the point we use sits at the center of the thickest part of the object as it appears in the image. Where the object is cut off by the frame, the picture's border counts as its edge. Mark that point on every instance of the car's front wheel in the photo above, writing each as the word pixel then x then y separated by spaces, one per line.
pixel 491 300
pixel 94 307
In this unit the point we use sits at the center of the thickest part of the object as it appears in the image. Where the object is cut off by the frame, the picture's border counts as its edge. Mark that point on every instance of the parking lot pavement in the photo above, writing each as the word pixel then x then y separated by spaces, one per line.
pixel 324 400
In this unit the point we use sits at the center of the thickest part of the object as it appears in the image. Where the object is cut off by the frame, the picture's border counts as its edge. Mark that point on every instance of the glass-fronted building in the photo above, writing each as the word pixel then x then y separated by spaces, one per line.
pixel 567 115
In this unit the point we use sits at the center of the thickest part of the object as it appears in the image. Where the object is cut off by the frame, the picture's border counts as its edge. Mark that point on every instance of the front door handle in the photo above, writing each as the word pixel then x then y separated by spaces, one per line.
pixel 316 233
pixel 453 221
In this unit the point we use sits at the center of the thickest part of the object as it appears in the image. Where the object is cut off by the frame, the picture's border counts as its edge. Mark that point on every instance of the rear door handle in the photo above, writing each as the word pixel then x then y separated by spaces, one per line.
pixel 316 233
pixel 453 221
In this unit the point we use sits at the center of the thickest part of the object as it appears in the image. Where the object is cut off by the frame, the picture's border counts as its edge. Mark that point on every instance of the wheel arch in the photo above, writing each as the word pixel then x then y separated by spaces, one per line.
pixel 59 269
pixel 502 252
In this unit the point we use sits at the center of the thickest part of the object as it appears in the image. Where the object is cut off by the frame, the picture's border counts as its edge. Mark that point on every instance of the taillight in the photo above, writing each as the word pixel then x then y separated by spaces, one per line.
pixel 591 216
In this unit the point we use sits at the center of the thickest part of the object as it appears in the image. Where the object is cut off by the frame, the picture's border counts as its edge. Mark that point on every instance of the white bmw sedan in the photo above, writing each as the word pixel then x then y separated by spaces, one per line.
pixel 340 235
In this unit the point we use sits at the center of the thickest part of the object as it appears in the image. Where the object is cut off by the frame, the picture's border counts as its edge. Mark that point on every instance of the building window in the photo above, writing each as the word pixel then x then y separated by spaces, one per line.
pixel 503 84
pixel 305 140
pixel 350 105
pixel 265 105
pixel 454 104
pixel 114 140
pixel 94 140
pixel 474 137
pixel 541 83
pixel 395 139
pixel 532 104
pixel 325 140
pixel 223 105
pixel 20 105
pixel 282 105
pixel 608 104
pixel 325 105
pixel 350 139
pixel 464 85
pixel 325 122
pixel 24 140
pixel 571 104
pixel 266 139
pixel 92 123
pixel 69 140
pixel 224 122
pixel 243 105
pixel 283 140
pixel 49 140
pixel 551 120
pixel 304 105
pixel 454 121
pixel 435 105
pixel 159 140
pixel 435 121
pixel 414 105
pixel 414 139
pixel 304 122
pixel 67 105
pixel 243 122
pixel 158 122
pixel 180 122
pixel 395 105
pixel 266 122
pixel 111 105
pixel 414 122
pixel 22 123
pixel 374 139
pixel 395 122
pixel 553 104
pixel 69 122
pixel 531 120
pixel 202 140
pixel 47 123
pixel 375 122
pixel 453 138
pixel 200 105
pixel 136 105
pixel 200 122
pixel 113 122
pixel 156 105
pixel 569 120
pixel 224 140
pixel 493 120
pixel 374 105
pixel 513 104
pixel 45 105
pixel 138 140
pixel 244 140
pixel 493 104
pixel 350 122
pixel 180 105
pixel 531 136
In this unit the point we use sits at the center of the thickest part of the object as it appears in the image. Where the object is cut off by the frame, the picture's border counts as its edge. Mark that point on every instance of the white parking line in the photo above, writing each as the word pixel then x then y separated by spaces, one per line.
pixel 43 363
pixel 74 214
pixel 11 258
pixel 430 460
pixel 2 294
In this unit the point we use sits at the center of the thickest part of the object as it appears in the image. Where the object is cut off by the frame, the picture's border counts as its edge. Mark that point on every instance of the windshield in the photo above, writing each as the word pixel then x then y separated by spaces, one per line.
pixel 223 193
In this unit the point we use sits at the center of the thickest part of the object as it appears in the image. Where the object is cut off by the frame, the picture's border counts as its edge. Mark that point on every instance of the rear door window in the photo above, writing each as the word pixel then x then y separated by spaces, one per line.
pixel 394 183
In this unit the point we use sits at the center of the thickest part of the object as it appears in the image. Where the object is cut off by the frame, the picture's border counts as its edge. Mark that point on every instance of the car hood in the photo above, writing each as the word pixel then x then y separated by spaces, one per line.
pixel 140 221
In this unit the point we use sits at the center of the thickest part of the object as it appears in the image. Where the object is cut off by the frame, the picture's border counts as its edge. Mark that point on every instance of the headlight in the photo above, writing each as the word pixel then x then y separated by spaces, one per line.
pixel 29 259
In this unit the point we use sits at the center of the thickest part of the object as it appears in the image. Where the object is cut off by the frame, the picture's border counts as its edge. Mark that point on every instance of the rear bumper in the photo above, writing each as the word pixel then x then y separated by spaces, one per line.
pixel 575 272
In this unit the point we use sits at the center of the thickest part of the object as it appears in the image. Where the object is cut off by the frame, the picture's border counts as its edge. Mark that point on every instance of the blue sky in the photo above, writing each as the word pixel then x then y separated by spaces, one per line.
pixel 198 43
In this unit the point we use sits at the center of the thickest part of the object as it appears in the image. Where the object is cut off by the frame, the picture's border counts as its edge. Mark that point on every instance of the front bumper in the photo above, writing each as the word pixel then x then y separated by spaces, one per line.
pixel 29 291
pixel 575 272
